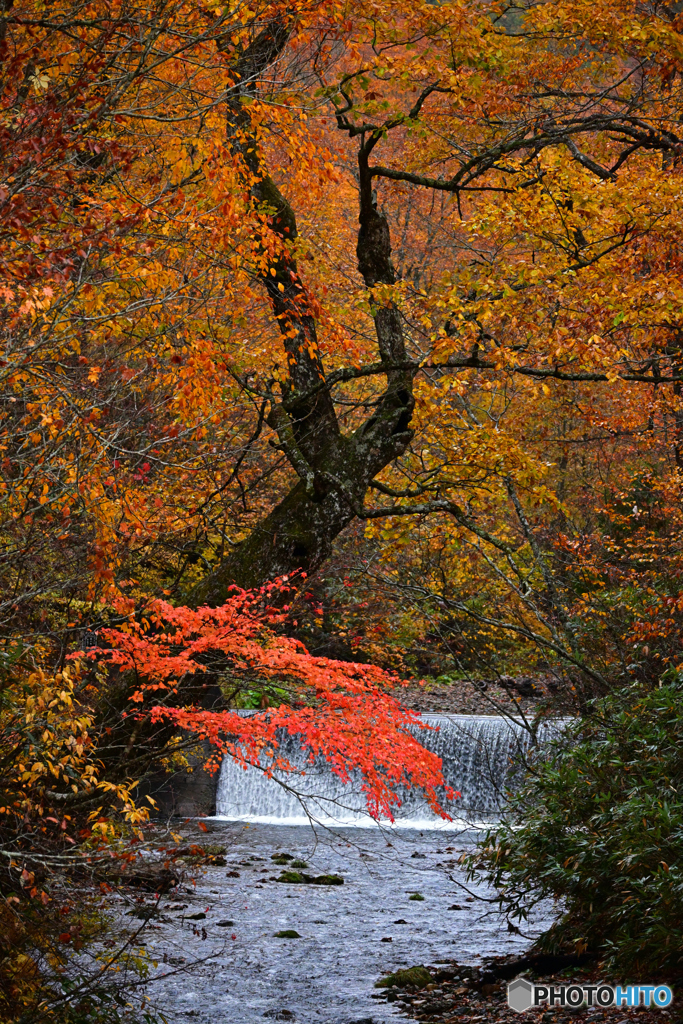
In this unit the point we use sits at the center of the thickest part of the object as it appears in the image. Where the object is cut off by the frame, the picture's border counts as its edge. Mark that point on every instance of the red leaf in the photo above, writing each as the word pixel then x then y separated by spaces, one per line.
pixel 355 722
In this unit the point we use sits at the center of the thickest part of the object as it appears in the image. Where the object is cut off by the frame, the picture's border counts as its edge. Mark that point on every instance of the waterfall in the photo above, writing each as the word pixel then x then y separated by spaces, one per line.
pixel 481 758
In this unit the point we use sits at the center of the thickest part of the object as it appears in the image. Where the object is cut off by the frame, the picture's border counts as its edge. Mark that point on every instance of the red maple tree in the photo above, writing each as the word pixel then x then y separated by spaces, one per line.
pixel 340 710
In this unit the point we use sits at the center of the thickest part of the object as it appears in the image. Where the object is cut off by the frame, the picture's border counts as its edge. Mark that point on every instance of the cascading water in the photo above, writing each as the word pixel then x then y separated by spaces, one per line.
pixel 481 757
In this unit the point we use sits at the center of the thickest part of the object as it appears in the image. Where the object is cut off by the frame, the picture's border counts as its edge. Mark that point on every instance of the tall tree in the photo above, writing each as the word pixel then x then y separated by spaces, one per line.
pixel 519 116
pixel 213 355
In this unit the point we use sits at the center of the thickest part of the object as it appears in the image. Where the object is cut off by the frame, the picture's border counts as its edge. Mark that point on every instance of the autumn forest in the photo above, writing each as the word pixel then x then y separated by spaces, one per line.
pixel 342 348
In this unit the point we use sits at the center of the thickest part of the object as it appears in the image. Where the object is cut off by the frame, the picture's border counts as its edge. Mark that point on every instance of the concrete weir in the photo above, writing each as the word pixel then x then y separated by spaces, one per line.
pixel 482 757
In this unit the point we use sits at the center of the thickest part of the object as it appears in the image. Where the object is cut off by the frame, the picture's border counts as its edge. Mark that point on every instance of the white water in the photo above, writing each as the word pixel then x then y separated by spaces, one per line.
pixel 481 757
pixel 246 975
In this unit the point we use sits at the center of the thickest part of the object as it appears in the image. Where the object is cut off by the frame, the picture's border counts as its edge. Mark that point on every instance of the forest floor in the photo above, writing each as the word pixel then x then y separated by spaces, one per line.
pixel 465 697
pixel 464 993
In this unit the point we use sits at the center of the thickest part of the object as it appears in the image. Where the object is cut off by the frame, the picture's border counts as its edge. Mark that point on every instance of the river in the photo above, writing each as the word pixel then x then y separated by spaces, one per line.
pixel 243 974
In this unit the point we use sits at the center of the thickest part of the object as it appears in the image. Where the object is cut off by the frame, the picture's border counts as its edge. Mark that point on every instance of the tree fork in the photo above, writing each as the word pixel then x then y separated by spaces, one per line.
pixel 334 470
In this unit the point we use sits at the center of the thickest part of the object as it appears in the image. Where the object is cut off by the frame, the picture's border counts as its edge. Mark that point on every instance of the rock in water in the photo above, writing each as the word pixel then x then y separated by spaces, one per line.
pixel 411 977
pixel 296 878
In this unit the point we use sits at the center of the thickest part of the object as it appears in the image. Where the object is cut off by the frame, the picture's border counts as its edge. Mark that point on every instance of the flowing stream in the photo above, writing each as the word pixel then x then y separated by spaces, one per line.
pixel 240 972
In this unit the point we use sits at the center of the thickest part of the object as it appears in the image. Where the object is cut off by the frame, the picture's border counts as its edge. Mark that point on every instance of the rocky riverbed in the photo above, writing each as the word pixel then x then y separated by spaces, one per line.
pixel 239 944
pixel 454 992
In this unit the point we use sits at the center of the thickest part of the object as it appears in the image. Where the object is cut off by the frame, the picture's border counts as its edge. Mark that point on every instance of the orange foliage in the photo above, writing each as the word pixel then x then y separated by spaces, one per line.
pixel 534 237
pixel 271 269
pixel 341 710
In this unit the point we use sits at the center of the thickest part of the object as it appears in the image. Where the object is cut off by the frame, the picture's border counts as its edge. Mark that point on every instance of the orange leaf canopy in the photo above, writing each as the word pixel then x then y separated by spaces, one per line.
pixel 342 710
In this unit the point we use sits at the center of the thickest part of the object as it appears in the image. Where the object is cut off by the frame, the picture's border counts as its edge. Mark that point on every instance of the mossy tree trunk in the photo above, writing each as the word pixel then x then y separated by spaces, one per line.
pixel 335 469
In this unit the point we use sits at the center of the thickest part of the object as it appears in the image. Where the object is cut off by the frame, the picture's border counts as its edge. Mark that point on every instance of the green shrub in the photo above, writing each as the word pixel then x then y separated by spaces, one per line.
pixel 599 827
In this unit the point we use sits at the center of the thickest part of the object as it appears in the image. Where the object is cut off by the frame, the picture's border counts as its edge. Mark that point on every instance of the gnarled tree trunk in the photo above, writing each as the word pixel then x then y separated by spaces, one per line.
pixel 334 469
